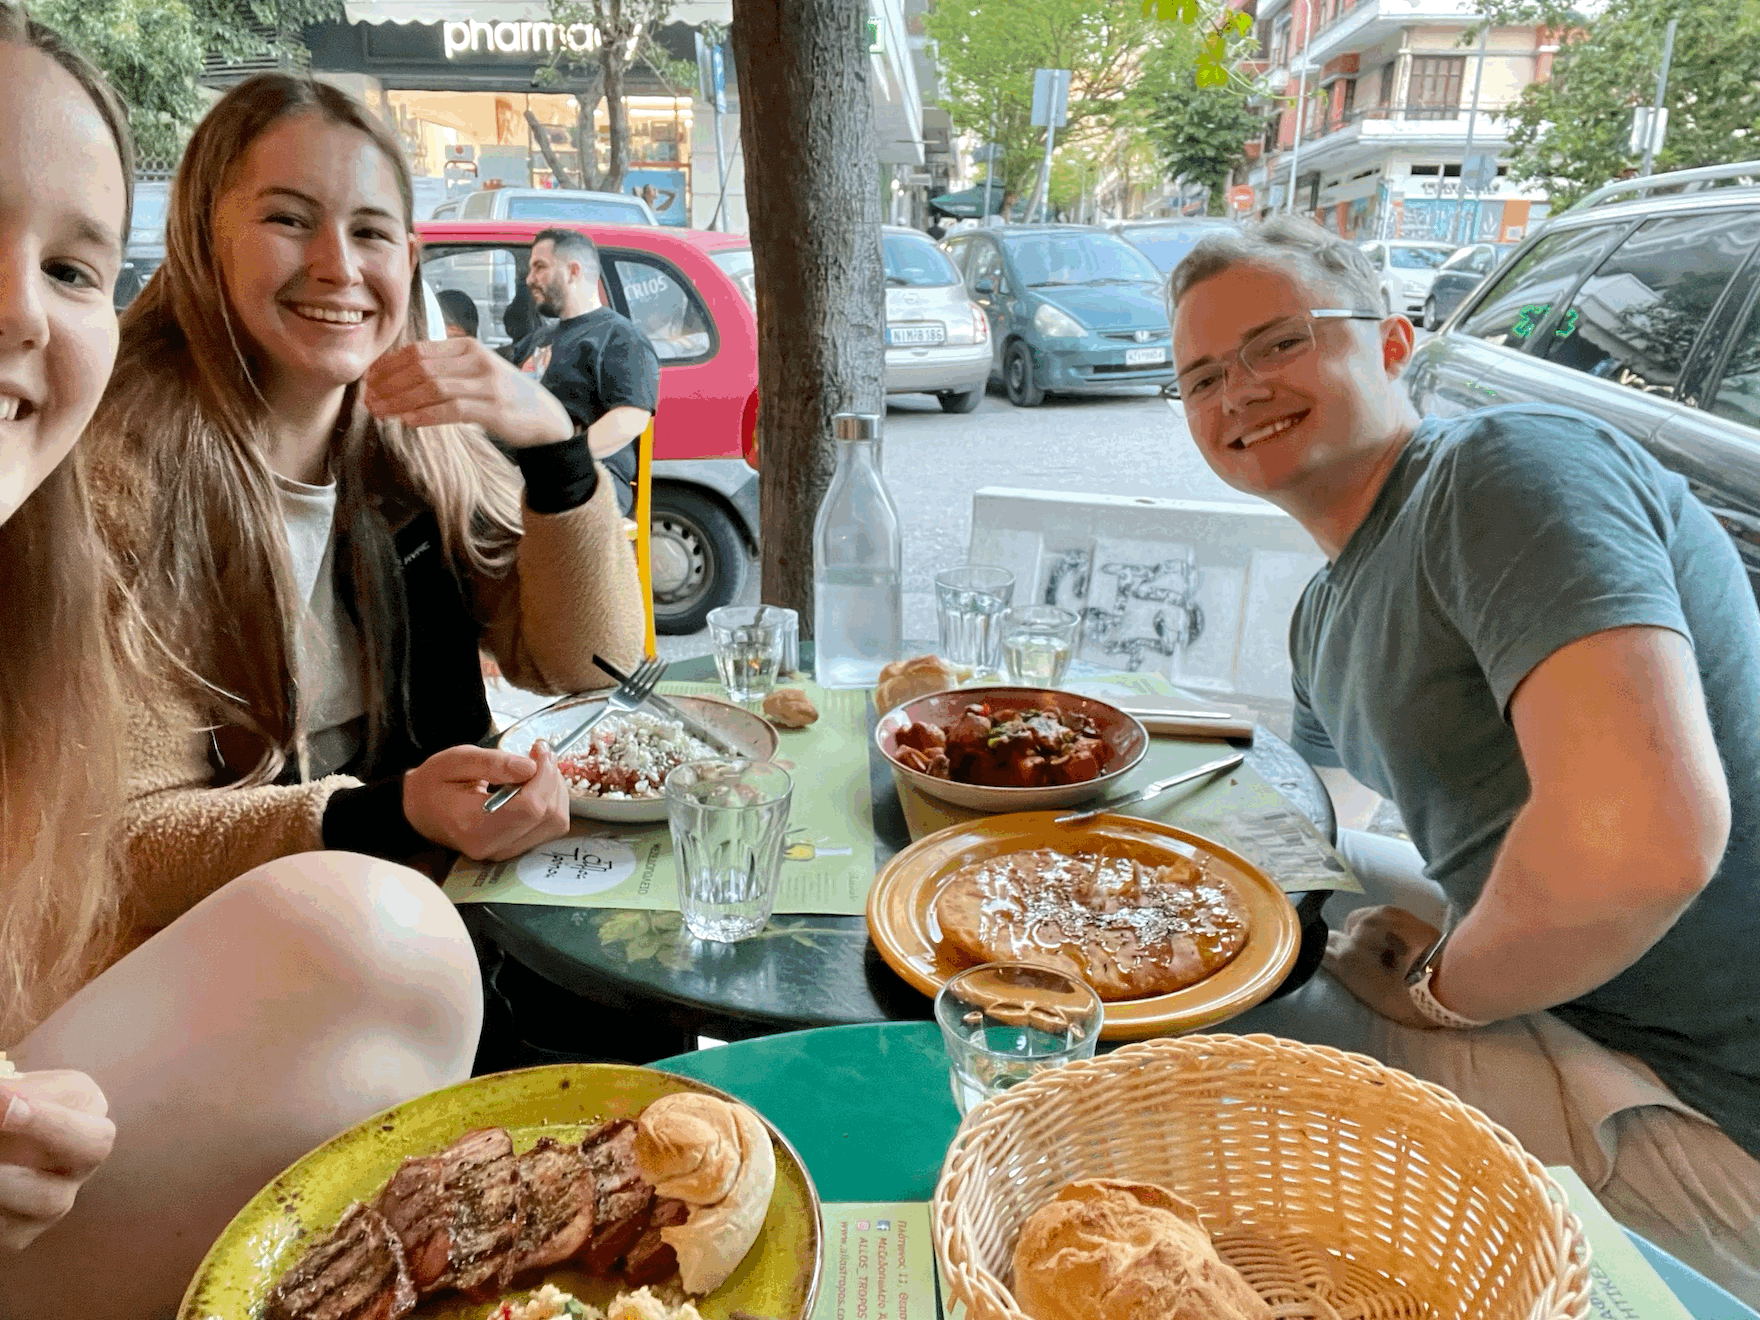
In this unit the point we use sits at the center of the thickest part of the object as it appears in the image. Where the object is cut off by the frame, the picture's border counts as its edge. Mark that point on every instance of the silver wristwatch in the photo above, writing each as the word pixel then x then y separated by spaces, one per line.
pixel 1418 987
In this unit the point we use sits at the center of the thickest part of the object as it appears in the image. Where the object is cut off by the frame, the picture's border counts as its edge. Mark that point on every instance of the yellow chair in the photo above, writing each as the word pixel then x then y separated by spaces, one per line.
pixel 639 529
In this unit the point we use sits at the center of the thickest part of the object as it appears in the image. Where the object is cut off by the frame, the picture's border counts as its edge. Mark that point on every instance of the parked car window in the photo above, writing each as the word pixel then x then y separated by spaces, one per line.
pixel 494 279
pixel 1517 304
pixel 1471 261
pixel 737 262
pixel 958 251
pixel 1080 259
pixel 986 265
pixel 477 206
pixel 1738 394
pixel 581 209
pixel 1418 258
pixel 147 224
pixel 1167 246
pixel 665 308
pixel 916 263
pixel 1636 318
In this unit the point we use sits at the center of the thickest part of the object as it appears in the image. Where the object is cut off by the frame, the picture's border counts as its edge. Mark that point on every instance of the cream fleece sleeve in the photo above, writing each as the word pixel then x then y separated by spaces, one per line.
pixel 573 592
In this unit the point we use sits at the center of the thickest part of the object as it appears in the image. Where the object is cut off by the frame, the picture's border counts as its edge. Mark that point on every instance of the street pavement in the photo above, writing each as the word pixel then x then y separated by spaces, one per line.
pixel 1124 444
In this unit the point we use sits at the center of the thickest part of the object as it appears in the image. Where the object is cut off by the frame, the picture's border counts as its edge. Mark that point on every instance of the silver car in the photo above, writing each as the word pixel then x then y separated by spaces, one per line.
pixel 937 339
pixel 1406 268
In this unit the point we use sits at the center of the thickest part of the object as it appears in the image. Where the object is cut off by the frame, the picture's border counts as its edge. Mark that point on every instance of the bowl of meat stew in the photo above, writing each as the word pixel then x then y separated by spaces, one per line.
pixel 1002 749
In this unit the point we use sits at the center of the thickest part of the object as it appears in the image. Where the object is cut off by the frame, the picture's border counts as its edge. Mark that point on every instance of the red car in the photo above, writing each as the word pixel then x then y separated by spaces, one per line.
pixel 691 292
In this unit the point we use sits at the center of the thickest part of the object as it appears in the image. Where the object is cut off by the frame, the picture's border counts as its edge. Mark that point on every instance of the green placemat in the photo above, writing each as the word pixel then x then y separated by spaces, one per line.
pixel 827 868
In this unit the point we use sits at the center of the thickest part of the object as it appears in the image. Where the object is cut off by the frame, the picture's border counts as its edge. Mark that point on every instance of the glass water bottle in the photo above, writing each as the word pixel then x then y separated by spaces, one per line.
pixel 858 556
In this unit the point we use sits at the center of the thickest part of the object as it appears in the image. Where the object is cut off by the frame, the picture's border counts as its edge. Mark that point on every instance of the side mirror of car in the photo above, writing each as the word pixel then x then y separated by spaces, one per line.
pixel 984 288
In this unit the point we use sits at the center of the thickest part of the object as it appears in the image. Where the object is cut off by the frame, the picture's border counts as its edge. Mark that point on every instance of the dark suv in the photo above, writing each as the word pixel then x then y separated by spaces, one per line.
pixel 1641 306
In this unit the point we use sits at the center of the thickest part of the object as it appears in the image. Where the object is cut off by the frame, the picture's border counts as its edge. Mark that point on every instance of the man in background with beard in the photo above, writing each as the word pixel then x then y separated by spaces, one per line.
pixel 597 363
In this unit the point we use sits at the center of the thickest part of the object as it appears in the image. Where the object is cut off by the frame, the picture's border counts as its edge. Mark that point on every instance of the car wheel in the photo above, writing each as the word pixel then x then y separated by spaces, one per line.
pixel 1017 377
pixel 699 559
pixel 961 401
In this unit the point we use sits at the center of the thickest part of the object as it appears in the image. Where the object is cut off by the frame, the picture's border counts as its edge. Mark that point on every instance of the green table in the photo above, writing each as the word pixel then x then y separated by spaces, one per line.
pixel 868 1107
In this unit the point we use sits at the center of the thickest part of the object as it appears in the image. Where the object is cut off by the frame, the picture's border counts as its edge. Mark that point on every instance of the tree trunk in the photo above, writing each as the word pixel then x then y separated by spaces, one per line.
pixel 614 39
pixel 592 88
pixel 807 127
pixel 542 134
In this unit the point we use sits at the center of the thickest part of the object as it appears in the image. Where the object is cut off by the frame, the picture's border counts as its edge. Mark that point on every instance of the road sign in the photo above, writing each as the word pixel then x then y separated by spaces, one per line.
pixel 1649 127
pixel 1479 171
pixel 1050 98
pixel 1242 197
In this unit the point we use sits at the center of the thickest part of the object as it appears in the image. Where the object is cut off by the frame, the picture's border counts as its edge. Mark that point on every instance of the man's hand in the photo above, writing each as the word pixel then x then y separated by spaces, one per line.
pixel 53 1136
pixel 443 799
pixel 440 381
pixel 1372 954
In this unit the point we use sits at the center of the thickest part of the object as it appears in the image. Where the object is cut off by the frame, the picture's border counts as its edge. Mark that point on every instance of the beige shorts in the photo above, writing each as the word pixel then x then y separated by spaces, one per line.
pixel 1660 1167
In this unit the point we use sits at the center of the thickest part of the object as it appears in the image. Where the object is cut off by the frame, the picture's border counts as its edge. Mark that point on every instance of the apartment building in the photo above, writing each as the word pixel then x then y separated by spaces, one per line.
pixel 1370 109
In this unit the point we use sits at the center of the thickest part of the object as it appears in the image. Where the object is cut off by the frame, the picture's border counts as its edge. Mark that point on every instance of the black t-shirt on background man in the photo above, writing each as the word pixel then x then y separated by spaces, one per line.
pixel 593 363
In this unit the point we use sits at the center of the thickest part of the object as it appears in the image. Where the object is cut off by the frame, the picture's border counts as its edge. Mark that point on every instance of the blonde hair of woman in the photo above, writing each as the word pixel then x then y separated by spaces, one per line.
pixel 296 1001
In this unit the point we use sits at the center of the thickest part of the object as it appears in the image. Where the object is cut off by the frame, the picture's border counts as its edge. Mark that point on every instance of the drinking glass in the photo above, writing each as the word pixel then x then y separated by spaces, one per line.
pixel 747 650
pixel 788 660
pixel 1038 641
pixel 729 819
pixel 1004 1021
pixel 969 604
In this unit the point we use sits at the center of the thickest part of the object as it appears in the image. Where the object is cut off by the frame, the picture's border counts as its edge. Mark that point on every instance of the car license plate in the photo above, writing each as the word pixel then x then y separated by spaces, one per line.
pixel 916 334
pixel 1141 357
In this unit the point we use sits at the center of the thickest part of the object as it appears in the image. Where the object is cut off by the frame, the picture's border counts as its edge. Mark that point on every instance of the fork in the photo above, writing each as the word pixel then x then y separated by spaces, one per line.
pixel 629 695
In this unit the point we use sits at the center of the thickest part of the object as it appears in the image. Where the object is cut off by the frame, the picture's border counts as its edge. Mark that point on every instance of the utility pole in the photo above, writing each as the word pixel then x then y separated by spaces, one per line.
pixel 1467 151
pixel 990 172
pixel 1050 108
pixel 1652 139
pixel 1295 155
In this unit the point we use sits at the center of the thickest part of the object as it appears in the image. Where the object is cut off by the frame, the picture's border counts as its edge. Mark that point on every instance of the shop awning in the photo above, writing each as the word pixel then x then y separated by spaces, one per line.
pixel 507 11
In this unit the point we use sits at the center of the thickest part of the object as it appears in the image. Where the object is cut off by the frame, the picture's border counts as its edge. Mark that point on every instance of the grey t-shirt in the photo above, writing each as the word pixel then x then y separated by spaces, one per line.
pixel 1500 537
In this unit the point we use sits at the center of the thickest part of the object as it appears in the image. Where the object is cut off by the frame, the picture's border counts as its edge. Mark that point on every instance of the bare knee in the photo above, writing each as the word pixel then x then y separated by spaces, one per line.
pixel 378 934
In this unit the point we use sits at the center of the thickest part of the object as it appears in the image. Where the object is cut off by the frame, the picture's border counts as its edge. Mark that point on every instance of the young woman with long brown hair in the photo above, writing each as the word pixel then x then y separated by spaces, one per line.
pixel 310 511
pixel 162 1088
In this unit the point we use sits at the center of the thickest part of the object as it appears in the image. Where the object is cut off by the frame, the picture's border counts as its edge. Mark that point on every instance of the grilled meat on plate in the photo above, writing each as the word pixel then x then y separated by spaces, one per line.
pixel 356 1273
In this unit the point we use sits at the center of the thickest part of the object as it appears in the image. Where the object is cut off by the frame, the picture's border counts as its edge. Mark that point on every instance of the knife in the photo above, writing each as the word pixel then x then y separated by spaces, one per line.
pixel 692 726
pixel 1159 787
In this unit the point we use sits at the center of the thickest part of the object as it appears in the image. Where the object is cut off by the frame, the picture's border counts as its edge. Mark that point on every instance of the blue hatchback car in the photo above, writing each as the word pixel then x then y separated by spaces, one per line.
pixel 1071 309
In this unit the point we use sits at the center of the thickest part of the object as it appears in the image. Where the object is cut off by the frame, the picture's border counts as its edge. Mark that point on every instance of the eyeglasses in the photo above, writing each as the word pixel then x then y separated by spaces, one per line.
pixel 1270 351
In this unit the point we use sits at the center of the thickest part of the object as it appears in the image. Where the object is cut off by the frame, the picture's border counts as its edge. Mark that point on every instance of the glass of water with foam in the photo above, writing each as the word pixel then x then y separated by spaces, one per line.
pixel 1038 642
pixel 1004 1021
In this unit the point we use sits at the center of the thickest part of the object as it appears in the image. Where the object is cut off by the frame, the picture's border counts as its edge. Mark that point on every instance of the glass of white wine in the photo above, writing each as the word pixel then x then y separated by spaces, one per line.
pixel 1038 642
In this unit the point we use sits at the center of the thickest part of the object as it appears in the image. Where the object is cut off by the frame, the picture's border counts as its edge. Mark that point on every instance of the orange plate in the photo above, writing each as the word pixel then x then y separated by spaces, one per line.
pixel 901 912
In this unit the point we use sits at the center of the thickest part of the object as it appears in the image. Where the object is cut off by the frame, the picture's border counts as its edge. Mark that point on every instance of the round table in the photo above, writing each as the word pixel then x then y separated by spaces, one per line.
pixel 803 971
pixel 870 1111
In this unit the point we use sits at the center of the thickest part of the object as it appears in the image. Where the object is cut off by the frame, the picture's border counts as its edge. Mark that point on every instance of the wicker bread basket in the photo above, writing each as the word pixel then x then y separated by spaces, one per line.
pixel 1338 1186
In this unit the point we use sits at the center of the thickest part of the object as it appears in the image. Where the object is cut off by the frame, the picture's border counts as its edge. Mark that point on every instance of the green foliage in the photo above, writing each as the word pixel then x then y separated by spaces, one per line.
pixel 1571 133
pixel 1200 131
pixel 989 49
pixel 153 50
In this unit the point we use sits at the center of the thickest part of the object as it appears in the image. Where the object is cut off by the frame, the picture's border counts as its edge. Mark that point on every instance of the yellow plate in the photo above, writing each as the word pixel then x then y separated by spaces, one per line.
pixel 901 912
pixel 778 1277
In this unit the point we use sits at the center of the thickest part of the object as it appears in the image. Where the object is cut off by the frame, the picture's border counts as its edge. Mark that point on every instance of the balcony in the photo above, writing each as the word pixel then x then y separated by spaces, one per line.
pixel 1370 131
pixel 1349 25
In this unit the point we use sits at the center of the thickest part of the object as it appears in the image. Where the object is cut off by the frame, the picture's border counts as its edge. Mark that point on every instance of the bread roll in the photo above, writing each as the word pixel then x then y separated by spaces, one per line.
pixel 1110 1250
pixel 687 1145
pixel 904 680
pixel 683 1146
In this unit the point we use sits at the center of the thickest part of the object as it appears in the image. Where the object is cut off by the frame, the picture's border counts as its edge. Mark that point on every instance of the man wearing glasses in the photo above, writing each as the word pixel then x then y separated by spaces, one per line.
pixel 1535 641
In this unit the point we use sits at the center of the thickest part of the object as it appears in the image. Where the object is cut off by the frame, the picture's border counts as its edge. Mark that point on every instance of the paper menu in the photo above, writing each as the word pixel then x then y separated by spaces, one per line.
pixel 1622 1283
pixel 879 1262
